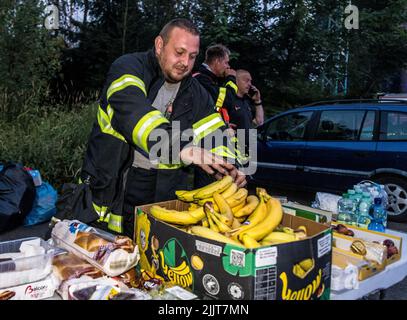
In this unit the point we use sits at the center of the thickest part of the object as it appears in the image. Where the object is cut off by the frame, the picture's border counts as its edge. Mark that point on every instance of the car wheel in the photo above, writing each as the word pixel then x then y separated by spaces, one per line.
pixel 396 189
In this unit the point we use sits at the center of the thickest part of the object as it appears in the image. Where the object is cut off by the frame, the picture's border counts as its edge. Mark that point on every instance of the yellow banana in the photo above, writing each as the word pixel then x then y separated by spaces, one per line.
pixel 210 189
pixel 203 201
pixel 213 235
pixel 279 237
pixel 241 220
pixel 258 215
pixel 222 218
pixel 302 228
pixel 235 224
pixel 287 230
pixel 249 242
pixel 238 207
pixel 233 201
pixel 211 223
pixel 224 228
pixel 252 202
pixel 205 222
pixel 187 196
pixel 274 215
pixel 198 213
pixel 192 207
pixel 223 206
pixel 237 198
pixel 173 216
pixel 217 218
pixel 230 191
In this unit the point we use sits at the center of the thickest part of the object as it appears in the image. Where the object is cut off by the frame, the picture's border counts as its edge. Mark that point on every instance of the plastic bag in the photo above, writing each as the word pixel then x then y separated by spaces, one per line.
pixel 44 205
pixel 17 194
pixel 326 201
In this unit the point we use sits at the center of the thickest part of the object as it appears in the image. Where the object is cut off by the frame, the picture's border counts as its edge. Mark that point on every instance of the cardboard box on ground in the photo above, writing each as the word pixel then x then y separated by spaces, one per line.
pixel 215 270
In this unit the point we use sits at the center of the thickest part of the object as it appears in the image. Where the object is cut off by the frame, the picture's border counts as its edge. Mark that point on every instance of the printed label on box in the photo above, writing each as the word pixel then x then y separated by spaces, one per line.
pixel 324 245
pixel 266 257
pixel 208 248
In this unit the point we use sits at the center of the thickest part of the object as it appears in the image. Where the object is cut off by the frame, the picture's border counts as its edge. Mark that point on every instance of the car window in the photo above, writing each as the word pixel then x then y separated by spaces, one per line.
pixel 366 134
pixel 393 126
pixel 339 125
pixel 290 127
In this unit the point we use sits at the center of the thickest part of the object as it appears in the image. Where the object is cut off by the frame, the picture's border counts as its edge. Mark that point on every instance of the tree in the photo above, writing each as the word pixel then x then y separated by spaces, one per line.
pixel 378 49
pixel 29 57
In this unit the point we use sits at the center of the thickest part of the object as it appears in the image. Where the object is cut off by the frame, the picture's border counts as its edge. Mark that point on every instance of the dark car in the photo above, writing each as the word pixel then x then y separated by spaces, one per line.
pixel 331 146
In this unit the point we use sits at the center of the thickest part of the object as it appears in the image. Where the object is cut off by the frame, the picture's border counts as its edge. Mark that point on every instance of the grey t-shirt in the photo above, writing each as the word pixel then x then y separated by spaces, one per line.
pixel 162 102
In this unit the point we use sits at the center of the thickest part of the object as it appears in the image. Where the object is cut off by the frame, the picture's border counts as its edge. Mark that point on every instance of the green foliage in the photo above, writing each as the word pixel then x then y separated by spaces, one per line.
pixel 29 57
pixel 378 50
pixel 54 144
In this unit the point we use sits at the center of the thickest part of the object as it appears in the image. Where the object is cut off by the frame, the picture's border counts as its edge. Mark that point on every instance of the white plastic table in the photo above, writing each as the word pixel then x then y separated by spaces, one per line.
pixel 391 275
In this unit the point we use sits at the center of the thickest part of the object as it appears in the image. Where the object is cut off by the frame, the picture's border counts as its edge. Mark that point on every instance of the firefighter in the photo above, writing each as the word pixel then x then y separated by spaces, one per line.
pixel 146 93
pixel 216 76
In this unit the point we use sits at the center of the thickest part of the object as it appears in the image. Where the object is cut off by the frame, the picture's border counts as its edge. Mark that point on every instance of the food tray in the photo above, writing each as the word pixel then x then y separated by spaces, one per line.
pixel 16 269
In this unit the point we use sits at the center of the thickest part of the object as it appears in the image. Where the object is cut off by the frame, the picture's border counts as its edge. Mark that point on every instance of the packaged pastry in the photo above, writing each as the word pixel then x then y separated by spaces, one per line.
pixel 112 254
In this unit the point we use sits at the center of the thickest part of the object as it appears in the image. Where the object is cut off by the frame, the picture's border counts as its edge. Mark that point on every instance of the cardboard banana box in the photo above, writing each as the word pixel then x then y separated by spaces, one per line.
pixel 215 270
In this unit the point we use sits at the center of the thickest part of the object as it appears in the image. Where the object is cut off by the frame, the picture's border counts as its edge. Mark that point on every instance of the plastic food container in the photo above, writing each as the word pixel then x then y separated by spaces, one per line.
pixel 25 260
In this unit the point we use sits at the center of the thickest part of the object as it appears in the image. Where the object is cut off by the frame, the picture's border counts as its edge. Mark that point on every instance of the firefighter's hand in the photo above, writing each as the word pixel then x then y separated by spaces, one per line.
pixel 239 177
pixel 230 72
pixel 212 164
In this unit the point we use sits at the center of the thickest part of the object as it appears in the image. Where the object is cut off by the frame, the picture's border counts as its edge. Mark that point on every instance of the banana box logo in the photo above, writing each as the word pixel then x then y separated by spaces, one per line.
pixel 175 265
pixel 316 286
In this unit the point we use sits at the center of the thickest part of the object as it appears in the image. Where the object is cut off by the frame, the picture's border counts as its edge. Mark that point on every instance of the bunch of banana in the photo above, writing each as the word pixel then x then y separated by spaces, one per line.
pixel 177 217
pixel 206 191
pixel 223 212
pixel 210 234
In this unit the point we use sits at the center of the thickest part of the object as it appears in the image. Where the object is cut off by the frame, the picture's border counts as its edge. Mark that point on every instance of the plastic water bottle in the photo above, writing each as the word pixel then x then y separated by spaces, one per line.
pixel 345 209
pixel 378 214
pixel 35 174
pixel 353 202
pixel 364 207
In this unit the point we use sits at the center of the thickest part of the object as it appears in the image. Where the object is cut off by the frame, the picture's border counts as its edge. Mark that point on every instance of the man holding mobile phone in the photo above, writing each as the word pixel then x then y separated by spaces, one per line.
pixel 247 111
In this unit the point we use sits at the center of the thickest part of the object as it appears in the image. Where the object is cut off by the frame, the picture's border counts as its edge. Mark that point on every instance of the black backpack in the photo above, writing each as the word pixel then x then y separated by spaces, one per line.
pixel 17 194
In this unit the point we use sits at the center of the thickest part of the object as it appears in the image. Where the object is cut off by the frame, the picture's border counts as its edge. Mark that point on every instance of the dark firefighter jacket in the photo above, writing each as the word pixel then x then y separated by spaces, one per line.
pixel 222 91
pixel 125 120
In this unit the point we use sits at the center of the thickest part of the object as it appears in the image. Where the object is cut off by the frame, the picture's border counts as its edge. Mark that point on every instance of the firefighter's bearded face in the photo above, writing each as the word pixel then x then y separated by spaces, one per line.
pixel 177 56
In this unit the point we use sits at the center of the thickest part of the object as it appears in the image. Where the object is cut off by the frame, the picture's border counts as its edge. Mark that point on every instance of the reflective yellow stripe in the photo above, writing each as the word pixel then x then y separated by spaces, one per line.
pixel 146 124
pixel 169 166
pixel 125 81
pixel 115 223
pixel 102 212
pixel 232 85
pixel 206 126
pixel 223 151
pixel 221 98
pixel 104 121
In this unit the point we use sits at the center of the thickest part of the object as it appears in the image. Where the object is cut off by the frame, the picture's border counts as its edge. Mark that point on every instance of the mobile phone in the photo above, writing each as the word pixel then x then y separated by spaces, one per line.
pixel 251 92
